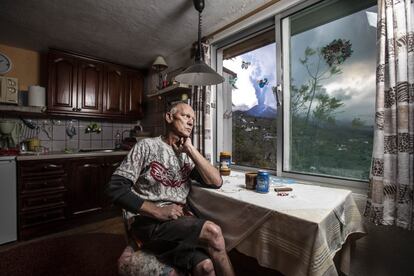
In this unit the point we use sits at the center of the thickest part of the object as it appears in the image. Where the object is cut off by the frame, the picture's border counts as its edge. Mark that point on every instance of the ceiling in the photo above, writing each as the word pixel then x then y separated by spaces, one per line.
pixel 131 32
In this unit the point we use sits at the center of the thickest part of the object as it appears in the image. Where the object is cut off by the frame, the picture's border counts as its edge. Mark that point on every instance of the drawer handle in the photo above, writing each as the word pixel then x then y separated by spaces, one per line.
pixel 50 166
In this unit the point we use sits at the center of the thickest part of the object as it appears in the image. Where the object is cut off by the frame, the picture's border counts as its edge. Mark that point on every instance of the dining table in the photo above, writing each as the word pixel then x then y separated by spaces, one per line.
pixel 306 231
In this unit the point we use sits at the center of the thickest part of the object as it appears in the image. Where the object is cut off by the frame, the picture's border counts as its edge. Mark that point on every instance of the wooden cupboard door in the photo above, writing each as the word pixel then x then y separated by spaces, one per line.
pixel 90 81
pixel 111 164
pixel 85 191
pixel 133 94
pixel 62 86
pixel 113 103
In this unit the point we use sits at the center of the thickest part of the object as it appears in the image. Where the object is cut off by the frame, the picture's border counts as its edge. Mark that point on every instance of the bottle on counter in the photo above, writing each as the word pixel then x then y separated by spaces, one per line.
pixel 118 140
pixel 225 161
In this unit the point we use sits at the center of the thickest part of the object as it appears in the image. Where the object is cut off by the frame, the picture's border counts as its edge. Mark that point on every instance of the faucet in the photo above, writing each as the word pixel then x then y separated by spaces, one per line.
pixel 122 134
pixel 119 137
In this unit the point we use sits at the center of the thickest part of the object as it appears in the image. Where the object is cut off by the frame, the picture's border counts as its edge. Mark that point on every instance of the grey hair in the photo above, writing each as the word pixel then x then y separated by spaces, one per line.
pixel 173 108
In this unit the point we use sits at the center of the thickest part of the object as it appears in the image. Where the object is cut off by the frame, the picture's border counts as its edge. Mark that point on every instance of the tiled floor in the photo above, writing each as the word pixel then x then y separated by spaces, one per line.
pixel 243 264
pixel 111 226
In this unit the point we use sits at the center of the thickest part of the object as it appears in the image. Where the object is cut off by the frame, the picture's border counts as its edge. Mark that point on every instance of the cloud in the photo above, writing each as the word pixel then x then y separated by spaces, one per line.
pixel 242 107
pixel 355 87
pixel 262 65
pixel 341 94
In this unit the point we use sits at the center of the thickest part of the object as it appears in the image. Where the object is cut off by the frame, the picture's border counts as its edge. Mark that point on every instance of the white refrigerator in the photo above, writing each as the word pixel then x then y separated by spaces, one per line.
pixel 8 199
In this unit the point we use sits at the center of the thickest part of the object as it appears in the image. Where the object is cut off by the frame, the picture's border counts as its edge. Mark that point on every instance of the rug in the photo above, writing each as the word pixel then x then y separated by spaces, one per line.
pixel 82 254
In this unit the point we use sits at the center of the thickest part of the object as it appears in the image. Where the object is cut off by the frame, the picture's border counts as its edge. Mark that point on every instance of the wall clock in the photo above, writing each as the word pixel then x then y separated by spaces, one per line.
pixel 5 64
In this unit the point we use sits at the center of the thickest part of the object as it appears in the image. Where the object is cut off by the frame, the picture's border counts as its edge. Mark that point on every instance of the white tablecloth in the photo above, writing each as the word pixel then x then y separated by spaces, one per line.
pixel 298 234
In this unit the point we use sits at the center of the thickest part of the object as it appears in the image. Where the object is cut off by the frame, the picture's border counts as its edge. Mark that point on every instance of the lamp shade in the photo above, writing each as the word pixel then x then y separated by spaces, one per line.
pixel 159 64
pixel 199 74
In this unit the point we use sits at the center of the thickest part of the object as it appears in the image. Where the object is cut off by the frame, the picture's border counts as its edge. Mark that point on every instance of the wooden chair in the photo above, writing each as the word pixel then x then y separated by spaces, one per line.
pixel 135 261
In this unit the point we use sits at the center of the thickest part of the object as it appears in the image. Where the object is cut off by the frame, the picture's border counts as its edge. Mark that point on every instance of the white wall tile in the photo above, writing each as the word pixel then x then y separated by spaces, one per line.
pixel 58 145
pixel 108 144
pixel 107 132
pixel 72 144
pixel 85 144
pixel 59 133
pixel 107 124
pixel 96 136
pixel 96 144
pixel 82 134
pixel 47 144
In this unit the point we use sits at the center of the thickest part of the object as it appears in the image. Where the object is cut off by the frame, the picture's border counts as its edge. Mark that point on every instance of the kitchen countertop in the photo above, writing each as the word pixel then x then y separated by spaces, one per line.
pixel 61 154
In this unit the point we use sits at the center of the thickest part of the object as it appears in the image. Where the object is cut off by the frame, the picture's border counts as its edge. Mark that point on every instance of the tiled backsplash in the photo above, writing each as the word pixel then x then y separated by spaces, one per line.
pixel 53 135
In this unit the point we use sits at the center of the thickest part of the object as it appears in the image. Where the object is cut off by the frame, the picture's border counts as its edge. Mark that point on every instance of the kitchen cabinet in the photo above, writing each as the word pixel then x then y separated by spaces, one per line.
pixel 63 79
pixel 86 87
pixel 110 165
pixel 42 196
pixel 89 90
pixel 89 178
pixel 57 194
pixel 133 93
pixel 114 90
pixel 85 191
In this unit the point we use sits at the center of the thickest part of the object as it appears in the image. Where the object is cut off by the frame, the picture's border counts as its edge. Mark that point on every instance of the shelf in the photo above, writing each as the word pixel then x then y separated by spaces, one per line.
pixel 171 89
pixel 36 111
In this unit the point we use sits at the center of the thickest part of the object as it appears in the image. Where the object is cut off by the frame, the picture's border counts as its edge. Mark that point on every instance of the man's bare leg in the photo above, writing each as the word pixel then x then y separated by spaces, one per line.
pixel 212 236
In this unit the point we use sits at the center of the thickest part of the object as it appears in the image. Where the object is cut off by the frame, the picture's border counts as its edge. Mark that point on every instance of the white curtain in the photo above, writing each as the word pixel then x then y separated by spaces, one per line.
pixel 390 197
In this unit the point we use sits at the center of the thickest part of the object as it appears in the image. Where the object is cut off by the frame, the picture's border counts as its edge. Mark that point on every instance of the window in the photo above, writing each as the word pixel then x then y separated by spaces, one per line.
pixel 329 66
pixel 328 62
pixel 249 103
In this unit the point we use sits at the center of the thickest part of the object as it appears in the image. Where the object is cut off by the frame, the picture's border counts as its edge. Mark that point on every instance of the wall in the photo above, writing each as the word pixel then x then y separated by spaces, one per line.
pixel 53 136
pixel 27 65
pixel 154 107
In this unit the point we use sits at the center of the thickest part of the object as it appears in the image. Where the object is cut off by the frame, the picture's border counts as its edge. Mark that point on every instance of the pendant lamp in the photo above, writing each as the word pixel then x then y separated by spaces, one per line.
pixel 158 66
pixel 199 74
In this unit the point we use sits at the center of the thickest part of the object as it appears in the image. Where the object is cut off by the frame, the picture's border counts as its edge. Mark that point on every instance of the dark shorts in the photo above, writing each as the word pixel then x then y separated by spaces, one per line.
pixel 174 242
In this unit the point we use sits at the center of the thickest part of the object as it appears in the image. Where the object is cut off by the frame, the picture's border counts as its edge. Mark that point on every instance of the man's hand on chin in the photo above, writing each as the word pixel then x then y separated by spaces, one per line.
pixel 184 144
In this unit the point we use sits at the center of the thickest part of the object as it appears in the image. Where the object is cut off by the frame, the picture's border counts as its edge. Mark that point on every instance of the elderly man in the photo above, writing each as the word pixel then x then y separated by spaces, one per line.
pixel 153 182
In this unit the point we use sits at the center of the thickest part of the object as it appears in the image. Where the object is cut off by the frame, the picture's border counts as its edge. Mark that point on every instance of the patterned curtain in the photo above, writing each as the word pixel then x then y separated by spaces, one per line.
pixel 201 102
pixel 390 196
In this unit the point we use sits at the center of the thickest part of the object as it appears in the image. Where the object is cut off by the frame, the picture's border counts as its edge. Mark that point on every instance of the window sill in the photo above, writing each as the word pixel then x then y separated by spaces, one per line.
pixel 357 188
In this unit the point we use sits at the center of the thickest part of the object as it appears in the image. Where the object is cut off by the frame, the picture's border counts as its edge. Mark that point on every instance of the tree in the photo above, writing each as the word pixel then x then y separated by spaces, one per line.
pixel 320 64
pixel 313 110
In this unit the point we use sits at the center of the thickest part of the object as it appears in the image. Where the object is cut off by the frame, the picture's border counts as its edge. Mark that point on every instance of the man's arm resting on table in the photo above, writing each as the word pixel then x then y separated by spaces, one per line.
pixel 208 173
pixel 119 191
pixel 195 175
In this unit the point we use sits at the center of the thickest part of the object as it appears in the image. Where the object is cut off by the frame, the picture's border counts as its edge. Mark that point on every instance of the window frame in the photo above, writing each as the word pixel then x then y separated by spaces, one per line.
pixel 358 186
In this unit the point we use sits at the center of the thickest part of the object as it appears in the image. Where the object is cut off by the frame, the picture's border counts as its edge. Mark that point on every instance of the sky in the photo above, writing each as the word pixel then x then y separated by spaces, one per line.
pixel 355 86
pixel 262 65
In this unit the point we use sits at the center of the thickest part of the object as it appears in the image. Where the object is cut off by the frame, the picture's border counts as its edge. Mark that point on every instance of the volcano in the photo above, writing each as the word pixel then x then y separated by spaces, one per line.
pixel 263 111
